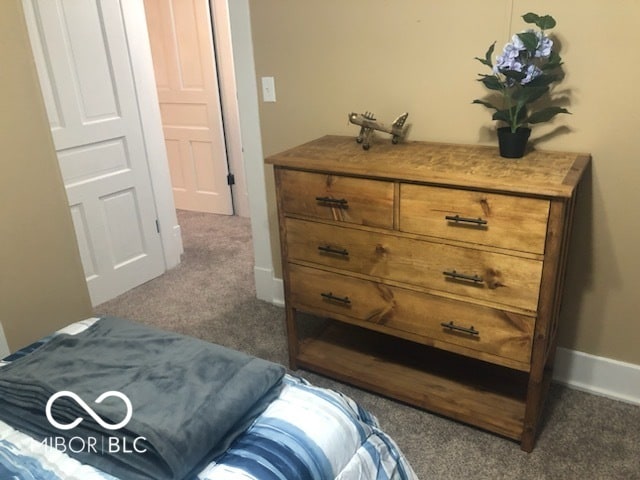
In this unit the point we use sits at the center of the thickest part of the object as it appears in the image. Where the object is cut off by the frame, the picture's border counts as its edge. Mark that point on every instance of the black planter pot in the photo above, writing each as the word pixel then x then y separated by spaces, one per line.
pixel 513 144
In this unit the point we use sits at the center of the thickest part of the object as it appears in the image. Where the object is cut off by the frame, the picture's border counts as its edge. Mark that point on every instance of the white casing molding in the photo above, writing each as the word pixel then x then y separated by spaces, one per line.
pixel 149 108
pixel 4 347
pixel 269 288
pixel 245 74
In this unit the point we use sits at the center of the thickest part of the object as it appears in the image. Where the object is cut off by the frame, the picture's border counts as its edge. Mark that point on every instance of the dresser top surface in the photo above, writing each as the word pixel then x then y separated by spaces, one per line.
pixel 539 173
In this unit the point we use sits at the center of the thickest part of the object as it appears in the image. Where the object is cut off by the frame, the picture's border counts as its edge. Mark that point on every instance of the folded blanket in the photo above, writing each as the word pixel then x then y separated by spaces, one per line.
pixel 171 403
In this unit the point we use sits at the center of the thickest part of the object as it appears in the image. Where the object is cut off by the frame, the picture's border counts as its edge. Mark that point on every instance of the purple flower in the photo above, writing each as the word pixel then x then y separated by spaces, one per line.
pixel 532 72
pixel 520 74
pixel 516 57
pixel 516 42
pixel 545 44
pixel 510 58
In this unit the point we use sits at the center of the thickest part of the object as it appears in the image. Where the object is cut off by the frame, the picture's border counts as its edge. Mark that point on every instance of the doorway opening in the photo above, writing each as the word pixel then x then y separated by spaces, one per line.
pixel 183 49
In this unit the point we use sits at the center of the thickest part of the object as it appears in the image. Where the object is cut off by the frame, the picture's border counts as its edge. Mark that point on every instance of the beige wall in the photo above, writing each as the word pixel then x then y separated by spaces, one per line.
pixel 42 284
pixel 331 57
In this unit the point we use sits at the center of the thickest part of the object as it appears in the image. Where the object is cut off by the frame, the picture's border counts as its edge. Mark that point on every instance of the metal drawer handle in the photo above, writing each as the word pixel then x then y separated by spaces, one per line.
pixel 451 326
pixel 480 222
pixel 333 202
pixel 461 276
pixel 332 297
pixel 338 251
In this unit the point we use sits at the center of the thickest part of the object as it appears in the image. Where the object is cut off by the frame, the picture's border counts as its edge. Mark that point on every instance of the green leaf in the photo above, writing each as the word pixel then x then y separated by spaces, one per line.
pixel 530 17
pixel 552 62
pixel 542 80
pixel 502 115
pixel 518 112
pixel 487 56
pixel 529 40
pixel 529 94
pixel 546 114
pixel 491 82
pixel 514 74
pixel 544 23
pixel 486 104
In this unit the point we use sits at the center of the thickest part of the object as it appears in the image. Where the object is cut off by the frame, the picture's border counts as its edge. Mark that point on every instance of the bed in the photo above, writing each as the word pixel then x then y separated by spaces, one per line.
pixel 294 430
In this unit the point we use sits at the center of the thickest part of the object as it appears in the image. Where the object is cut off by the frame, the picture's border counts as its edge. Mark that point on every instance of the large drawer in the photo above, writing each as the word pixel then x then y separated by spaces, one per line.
pixel 441 322
pixel 515 223
pixel 334 197
pixel 488 276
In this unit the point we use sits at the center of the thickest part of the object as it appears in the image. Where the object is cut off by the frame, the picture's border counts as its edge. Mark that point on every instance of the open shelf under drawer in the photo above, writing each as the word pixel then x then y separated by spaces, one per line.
pixel 481 394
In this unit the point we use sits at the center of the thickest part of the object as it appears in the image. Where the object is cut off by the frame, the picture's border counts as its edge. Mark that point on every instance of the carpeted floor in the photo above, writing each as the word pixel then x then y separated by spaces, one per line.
pixel 211 295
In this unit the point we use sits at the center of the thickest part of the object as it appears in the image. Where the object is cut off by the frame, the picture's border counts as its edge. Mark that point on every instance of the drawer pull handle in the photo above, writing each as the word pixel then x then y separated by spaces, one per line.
pixel 338 251
pixel 332 297
pixel 480 222
pixel 333 202
pixel 451 326
pixel 461 276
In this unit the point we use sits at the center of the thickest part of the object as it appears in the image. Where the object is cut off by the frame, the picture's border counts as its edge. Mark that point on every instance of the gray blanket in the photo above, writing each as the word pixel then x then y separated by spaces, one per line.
pixel 189 398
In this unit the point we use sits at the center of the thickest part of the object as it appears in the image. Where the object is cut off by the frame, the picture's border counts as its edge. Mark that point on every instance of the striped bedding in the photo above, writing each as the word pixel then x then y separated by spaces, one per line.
pixel 306 433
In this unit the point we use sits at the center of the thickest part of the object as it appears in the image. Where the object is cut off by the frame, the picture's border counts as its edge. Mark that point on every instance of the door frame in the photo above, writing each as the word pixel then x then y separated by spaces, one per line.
pixel 239 95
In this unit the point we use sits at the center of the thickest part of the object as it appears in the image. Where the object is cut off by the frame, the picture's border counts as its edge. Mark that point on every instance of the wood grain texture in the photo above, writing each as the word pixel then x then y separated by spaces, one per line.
pixel 539 173
pixel 504 221
pixel 502 337
pixel 503 279
pixel 488 397
pixel 339 198
pixel 457 315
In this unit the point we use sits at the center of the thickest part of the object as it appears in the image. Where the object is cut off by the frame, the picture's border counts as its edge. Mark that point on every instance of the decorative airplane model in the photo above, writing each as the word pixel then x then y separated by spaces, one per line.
pixel 368 124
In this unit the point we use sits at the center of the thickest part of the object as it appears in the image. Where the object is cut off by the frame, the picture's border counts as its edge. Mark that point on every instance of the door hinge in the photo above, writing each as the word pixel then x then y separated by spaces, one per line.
pixel 157 226
pixel 231 179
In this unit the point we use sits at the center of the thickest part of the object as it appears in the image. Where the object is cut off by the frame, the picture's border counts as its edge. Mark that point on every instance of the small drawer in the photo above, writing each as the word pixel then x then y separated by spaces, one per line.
pixel 334 197
pixel 489 277
pixel 442 322
pixel 515 223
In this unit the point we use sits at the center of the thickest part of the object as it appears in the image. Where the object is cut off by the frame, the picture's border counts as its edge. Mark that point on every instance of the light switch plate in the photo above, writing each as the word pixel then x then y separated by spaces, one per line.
pixel 268 89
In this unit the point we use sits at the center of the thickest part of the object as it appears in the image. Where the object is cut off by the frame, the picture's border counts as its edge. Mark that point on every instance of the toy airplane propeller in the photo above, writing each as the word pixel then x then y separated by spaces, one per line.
pixel 368 124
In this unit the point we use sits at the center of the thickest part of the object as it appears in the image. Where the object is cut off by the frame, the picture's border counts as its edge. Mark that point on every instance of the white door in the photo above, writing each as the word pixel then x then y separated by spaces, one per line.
pixel 85 74
pixel 184 63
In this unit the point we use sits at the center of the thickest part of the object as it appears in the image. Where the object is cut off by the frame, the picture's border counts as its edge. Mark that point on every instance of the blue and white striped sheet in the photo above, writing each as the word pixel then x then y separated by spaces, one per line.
pixel 308 432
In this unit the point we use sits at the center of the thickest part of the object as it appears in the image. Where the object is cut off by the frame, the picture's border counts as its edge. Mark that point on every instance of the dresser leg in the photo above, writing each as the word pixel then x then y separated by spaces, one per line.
pixel 292 337
pixel 539 383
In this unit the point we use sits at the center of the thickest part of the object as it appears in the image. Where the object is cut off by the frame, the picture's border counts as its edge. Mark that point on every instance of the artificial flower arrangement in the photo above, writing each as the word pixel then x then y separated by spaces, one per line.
pixel 523 74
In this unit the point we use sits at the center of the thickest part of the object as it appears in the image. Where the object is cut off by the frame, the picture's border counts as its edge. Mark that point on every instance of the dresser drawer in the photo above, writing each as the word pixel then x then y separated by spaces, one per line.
pixel 442 322
pixel 510 222
pixel 477 274
pixel 334 197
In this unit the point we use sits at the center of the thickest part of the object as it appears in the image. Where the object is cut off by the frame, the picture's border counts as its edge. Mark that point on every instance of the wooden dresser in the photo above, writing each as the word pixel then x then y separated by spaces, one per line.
pixel 438 268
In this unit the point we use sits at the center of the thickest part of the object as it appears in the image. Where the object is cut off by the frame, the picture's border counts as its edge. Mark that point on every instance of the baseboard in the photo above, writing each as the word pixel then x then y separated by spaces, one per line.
pixel 278 292
pixel 268 288
pixel 598 375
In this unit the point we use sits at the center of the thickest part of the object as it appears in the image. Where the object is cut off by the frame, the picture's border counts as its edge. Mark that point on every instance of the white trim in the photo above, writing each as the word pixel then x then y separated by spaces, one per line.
pixel 278 292
pixel 144 78
pixel 269 288
pixel 245 75
pixel 246 142
pixel 229 103
pixel 598 375
pixel 4 347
